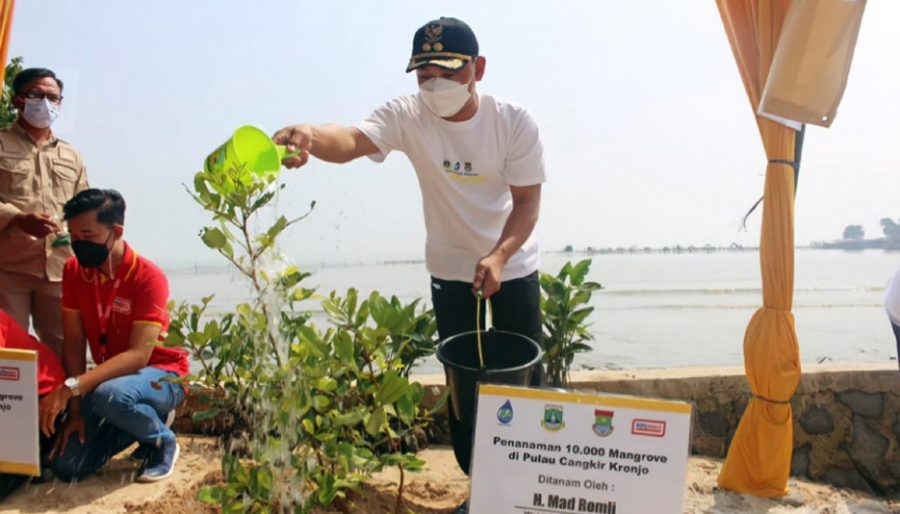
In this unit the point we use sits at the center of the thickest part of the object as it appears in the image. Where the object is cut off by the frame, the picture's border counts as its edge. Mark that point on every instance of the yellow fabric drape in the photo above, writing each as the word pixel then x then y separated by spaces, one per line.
pixel 810 69
pixel 759 458
pixel 6 13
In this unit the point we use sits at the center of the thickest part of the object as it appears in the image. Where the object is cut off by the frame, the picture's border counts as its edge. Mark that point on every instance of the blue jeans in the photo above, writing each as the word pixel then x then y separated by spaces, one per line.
pixel 116 414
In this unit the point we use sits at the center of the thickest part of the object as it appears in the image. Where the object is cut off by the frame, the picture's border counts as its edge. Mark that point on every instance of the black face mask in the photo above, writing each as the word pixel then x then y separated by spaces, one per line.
pixel 89 253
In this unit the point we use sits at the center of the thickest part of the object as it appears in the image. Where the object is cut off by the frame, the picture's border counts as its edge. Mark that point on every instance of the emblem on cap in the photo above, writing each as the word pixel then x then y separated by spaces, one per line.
pixel 433 32
pixel 433 38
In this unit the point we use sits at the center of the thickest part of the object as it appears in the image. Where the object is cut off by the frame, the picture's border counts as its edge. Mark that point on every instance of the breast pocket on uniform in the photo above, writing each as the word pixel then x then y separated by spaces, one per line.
pixel 65 175
pixel 15 177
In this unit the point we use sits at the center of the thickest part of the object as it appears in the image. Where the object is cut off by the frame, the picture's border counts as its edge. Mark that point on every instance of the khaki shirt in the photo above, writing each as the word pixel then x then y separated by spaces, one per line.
pixel 35 179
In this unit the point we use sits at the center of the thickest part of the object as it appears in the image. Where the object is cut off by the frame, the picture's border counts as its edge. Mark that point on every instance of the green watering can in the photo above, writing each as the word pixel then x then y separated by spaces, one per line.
pixel 250 148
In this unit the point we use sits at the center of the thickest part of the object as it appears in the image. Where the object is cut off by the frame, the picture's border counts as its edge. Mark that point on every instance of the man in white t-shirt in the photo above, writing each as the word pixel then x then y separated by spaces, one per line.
pixel 892 306
pixel 479 161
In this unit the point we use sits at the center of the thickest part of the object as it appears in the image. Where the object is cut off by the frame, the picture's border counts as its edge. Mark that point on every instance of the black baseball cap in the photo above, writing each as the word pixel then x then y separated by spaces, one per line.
pixel 448 43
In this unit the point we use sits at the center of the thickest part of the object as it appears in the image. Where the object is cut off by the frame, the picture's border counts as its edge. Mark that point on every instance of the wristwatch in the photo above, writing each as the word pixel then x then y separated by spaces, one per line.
pixel 72 384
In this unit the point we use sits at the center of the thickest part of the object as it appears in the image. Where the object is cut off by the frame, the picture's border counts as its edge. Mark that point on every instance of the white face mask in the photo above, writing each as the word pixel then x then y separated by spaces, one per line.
pixel 40 113
pixel 444 97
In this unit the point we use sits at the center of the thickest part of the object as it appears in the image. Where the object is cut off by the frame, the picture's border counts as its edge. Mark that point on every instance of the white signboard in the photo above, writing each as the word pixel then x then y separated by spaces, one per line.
pixel 539 451
pixel 19 412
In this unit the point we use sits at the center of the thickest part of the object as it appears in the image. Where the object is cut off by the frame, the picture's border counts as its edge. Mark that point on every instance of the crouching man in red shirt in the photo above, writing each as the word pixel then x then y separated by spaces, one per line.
pixel 115 301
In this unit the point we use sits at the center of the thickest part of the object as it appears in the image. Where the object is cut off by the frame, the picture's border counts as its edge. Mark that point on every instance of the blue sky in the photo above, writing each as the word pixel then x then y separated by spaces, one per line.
pixel 648 132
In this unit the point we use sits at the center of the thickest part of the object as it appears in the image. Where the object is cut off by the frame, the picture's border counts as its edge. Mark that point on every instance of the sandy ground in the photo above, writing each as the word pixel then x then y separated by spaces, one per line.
pixel 437 490
pixel 113 490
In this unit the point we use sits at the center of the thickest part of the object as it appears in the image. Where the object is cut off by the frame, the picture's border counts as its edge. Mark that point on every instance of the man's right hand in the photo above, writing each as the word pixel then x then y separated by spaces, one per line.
pixel 35 224
pixel 74 423
pixel 51 406
pixel 295 138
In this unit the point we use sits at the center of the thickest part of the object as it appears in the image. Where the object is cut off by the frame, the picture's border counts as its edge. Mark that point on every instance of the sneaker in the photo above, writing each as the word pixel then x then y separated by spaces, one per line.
pixel 161 463
pixel 145 451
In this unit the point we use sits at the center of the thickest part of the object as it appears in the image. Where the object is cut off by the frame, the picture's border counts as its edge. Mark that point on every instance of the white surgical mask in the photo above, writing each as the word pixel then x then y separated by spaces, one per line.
pixel 444 97
pixel 40 113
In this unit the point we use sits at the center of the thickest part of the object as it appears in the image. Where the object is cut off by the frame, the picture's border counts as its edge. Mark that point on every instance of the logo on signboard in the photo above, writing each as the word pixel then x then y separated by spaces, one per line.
pixel 603 422
pixel 505 413
pixel 648 427
pixel 553 418
pixel 9 373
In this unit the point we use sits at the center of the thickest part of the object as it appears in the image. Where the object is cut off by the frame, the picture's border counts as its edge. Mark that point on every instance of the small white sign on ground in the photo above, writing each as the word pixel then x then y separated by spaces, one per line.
pixel 19 451
pixel 539 451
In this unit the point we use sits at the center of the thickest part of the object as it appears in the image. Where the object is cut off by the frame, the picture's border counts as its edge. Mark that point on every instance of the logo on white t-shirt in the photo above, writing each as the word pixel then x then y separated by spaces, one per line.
pixel 461 171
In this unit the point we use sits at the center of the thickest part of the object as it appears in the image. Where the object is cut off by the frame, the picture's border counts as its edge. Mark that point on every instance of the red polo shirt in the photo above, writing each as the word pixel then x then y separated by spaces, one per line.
pixel 141 297
pixel 50 370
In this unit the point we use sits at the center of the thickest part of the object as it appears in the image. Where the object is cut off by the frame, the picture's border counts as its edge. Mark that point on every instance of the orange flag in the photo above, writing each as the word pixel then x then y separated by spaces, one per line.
pixel 6 14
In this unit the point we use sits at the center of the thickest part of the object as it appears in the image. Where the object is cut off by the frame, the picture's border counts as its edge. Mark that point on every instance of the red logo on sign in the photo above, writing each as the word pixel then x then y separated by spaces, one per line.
pixel 9 373
pixel 648 427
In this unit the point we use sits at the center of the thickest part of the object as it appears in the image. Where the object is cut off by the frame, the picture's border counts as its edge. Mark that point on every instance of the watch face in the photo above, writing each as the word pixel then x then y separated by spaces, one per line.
pixel 71 383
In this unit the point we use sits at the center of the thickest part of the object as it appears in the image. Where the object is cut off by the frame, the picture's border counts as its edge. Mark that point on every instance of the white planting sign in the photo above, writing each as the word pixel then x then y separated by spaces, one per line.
pixel 539 451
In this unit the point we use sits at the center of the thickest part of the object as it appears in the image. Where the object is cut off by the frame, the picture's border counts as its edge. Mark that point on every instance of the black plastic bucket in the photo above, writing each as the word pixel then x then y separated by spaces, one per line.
pixel 509 358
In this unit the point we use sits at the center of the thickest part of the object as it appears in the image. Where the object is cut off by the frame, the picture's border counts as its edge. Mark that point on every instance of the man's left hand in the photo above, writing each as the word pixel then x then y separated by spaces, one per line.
pixel 50 406
pixel 488 274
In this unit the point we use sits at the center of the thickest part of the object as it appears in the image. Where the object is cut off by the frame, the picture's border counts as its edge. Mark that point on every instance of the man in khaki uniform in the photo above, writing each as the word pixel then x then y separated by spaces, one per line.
pixel 39 173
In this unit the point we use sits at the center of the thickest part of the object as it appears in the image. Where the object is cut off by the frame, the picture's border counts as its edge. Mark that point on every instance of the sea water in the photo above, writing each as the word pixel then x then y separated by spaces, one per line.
pixel 656 310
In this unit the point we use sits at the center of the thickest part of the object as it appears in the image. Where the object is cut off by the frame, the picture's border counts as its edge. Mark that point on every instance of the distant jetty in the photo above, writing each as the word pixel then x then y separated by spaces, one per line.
pixel 883 243
pixel 708 248
pixel 877 244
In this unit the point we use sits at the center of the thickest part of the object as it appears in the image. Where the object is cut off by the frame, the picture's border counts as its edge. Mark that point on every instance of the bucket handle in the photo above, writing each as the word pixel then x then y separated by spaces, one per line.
pixel 490 311
pixel 284 154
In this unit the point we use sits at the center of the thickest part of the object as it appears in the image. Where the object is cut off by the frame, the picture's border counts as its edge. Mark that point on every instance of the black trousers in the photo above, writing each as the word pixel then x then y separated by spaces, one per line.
pixel 515 308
